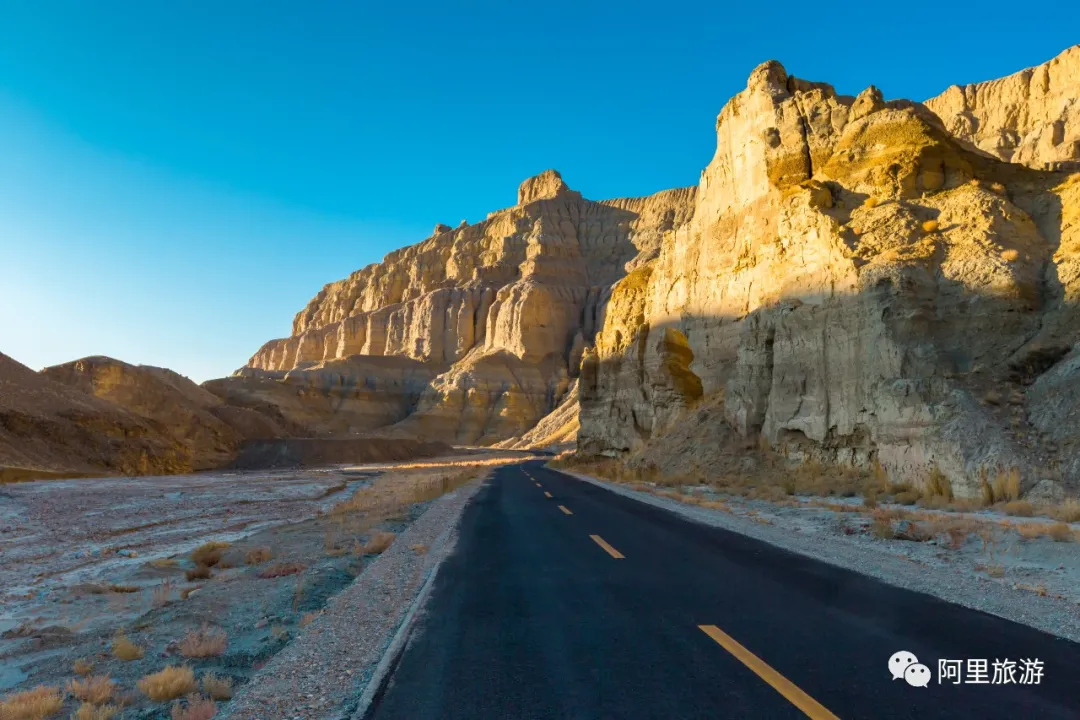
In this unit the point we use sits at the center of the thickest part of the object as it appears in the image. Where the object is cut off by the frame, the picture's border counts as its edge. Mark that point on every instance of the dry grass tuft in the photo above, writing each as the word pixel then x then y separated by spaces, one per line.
pixel 199 572
pixel 125 650
pixel 281 570
pixel 217 688
pixel 995 571
pixel 257 556
pixel 377 544
pixel 168 684
pixel 1068 511
pixel 209 554
pixel 162 594
pixel 82 667
pixel 882 529
pixel 194 708
pixel 1019 508
pixel 164 563
pixel 1005 488
pixel 1060 532
pixel 36 704
pixel 203 643
pixel 871 202
pixel 309 618
pixel 1010 255
pixel 419 549
pixel 87 711
pixel 930 226
pixel 96 690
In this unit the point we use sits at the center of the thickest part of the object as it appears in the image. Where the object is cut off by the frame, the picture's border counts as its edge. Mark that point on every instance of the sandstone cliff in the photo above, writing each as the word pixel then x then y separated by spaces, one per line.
pixel 854 284
pixel 497 314
pixel 1030 117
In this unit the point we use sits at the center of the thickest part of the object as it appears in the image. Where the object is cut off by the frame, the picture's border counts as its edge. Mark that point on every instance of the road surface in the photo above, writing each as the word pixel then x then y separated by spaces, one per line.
pixel 565 600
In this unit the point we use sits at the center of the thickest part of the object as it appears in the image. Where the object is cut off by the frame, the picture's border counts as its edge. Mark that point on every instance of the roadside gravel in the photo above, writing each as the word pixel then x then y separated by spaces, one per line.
pixel 324 672
pixel 880 560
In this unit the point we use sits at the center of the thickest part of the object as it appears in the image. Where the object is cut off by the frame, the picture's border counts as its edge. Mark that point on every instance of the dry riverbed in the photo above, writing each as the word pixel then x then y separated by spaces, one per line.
pixel 106 581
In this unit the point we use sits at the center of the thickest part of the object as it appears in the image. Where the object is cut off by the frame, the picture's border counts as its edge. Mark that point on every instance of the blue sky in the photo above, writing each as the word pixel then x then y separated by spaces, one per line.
pixel 178 179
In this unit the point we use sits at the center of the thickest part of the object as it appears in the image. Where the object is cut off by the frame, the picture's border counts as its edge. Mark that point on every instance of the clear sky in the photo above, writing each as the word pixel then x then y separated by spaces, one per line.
pixel 177 179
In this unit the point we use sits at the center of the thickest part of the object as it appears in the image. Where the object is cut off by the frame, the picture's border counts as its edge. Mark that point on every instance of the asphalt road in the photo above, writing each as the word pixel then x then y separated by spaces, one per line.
pixel 532 617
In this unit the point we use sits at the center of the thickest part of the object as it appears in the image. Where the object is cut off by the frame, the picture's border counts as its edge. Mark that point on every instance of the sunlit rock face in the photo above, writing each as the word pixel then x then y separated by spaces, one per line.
pixel 853 282
pixel 499 313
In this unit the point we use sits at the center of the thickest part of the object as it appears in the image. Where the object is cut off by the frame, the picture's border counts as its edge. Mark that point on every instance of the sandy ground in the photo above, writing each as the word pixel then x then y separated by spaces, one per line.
pixel 83 559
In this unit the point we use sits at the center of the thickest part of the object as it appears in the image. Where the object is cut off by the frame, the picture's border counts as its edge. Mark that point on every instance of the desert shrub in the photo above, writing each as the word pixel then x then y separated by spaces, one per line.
pixel 257 556
pixel 882 529
pixel 163 563
pixel 930 226
pixel 907 497
pixel 125 650
pixel 1060 532
pixel 209 554
pixel 36 704
pixel 1068 511
pixel 1019 508
pixel 87 711
pixel 203 643
pixel 96 690
pixel 995 571
pixel 870 499
pixel 82 667
pixel 938 485
pixel 1006 486
pixel 199 572
pixel 170 683
pixel 281 570
pixel 1010 255
pixel 419 548
pixel 1030 531
pixel 194 708
pixel 162 594
pixel 871 202
pixel 309 618
pixel 377 543
pixel 998 188
pixel 217 688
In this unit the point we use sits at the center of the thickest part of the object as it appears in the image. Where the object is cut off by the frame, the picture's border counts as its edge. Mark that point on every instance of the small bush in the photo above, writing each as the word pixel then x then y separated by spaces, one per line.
pixel 995 571
pixel 281 570
pixel 871 202
pixel 998 188
pixel 419 549
pixel 1006 486
pixel 36 704
pixel 82 667
pixel 1060 532
pixel 309 618
pixel 883 529
pixel 938 485
pixel 930 226
pixel 96 690
pixel 1019 508
pixel 1068 511
pixel 199 572
pixel 87 711
pixel 257 556
pixel 203 643
pixel 209 554
pixel 125 650
pixel 907 497
pixel 194 708
pixel 163 563
pixel 169 683
pixel 1010 256
pixel 217 688
pixel 377 543
pixel 162 594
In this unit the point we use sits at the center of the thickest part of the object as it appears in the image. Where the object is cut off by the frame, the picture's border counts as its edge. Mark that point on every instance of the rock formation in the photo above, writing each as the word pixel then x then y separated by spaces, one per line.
pixel 498 313
pixel 1030 117
pixel 49 429
pixel 855 285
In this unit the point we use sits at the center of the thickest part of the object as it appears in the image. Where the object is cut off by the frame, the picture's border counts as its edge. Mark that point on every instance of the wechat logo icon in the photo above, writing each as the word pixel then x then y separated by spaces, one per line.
pixel 904 665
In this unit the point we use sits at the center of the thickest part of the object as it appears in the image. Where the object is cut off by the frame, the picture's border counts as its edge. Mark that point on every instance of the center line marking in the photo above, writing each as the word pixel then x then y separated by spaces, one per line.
pixel 610 550
pixel 779 683
pixel 547 494
pixel 565 510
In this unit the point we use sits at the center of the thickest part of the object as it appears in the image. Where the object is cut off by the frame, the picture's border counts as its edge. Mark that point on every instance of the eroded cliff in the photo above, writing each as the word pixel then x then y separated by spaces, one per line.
pixel 854 284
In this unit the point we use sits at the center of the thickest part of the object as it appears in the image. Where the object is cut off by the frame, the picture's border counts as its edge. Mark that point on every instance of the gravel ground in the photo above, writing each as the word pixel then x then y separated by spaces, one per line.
pixel 904 564
pixel 324 672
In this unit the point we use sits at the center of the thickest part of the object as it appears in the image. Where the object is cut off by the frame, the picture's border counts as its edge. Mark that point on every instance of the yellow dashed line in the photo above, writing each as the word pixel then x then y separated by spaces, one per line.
pixel 565 510
pixel 610 550
pixel 781 684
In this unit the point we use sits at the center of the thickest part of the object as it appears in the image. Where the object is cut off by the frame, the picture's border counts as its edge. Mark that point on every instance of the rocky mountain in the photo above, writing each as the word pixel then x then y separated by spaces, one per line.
pixel 49 429
pixel 855 284
pixel 1030 117
pixel 478 329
